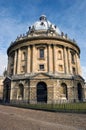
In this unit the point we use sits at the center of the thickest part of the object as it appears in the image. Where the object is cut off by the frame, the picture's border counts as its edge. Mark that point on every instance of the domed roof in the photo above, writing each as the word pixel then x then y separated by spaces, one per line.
pixel 44 24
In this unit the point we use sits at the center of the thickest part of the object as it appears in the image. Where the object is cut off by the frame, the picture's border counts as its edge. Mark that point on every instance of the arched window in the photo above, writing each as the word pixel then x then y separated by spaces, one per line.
pixel 79 90
pixel 64 91
pixel 23 55
pixel 12 64
pixel 23 61
pixel 20 91
pixel 72 58
pixel 59 55
pixel 73 70
pixel 41 53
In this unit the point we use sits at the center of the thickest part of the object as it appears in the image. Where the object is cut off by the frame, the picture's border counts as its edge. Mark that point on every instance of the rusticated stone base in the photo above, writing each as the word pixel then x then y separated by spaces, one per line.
pixel 54 90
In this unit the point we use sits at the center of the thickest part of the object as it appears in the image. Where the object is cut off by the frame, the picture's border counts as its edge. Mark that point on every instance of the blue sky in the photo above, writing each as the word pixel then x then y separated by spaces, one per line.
pixel 17 15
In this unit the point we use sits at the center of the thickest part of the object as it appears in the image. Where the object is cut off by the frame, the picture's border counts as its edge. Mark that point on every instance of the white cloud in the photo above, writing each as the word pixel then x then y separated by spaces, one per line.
pixel 71 20
pixel 3 62
pixel 10 28
pixel 84 72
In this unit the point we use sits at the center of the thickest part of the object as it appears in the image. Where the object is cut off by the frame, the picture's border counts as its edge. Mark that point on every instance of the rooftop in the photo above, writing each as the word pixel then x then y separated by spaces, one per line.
pixel 44 24
pixel 43 28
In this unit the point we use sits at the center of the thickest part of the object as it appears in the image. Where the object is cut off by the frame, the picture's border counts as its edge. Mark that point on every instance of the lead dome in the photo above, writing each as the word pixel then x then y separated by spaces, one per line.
pixel 44 24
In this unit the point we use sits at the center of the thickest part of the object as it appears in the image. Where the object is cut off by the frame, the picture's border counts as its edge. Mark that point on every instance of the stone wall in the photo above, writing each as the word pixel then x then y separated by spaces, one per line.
pixel 1 87
pixel 59 57
pixel 55 92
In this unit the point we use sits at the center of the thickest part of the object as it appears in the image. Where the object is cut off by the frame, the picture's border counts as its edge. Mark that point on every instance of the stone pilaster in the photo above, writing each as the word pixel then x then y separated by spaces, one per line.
pixel 69 61
pixel 15 63
pixel 50 60
pixel 65 60
pixel 50 93
pixel 33 59
pixel 54 59
pixel 26 93
pixel 11 92
pixel 19 62
pixel 48 67
pixel 28 59
pixel 70 93
pixel 78 65
pixel 8 67
pixel 33 97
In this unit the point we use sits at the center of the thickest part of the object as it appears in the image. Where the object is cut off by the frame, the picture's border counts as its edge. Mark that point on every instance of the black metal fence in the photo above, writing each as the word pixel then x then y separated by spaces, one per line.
pixel 58 106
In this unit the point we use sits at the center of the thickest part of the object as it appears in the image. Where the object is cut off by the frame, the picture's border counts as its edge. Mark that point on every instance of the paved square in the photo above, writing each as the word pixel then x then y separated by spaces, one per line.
pixel 12 118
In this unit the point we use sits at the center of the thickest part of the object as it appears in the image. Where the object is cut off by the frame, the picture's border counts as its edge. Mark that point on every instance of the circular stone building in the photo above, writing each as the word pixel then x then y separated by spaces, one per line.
pixel 43 66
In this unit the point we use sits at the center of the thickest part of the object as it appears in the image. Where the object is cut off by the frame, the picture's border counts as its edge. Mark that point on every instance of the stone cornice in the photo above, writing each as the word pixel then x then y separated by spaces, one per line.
pixel 48 76
pixel 32 38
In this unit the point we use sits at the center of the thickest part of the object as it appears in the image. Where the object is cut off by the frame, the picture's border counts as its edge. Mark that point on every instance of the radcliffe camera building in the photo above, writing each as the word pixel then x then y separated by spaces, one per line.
pixel 43 66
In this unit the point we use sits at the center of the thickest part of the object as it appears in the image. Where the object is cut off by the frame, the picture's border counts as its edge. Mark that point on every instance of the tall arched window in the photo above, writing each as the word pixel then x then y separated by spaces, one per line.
pixel 12 64
pixel 59 55
pixel 20 91
pixel 73 70
pixel 24 55
pixel 72 58
pixel 23 61
pixel 64 90
pixel 79 90
pixel 41 53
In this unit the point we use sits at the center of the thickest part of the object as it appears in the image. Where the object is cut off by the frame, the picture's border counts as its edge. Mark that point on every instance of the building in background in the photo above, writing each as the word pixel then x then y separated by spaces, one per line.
pixel 1 87
pixel 43 66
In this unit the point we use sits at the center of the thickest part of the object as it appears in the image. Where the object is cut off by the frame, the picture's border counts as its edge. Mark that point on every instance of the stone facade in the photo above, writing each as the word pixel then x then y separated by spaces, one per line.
pixel 43 66
pixel 1 87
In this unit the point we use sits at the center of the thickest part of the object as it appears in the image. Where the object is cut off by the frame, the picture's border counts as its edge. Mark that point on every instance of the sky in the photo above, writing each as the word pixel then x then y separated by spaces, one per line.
pixel 17 15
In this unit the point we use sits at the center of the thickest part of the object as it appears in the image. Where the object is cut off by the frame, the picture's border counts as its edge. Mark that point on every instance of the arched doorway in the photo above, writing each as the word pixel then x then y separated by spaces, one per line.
pixel 20 91
pixel 79 89
pixel 42 92
pixel 7 93
pixel 64 90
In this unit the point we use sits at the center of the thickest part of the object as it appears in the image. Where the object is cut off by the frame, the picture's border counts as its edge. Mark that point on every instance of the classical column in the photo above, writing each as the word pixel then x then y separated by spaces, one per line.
pixel 69 61
pixel 26 89
pixel 19 62
pixel 8 67
pixel 28 59
pixel 15 62
pixel 11 91
pixel 31 62
pixel 48 69
pixel 65 60
pixel 33 59
pixel 50 59
pixel 54 59
pixel 78 64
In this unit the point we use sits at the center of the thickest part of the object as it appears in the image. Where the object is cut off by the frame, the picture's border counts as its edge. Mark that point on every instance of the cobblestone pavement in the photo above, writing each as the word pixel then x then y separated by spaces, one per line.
pixel 12 118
